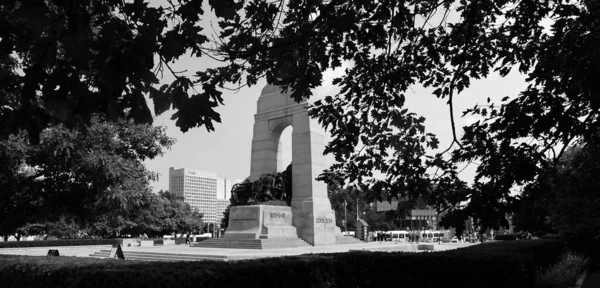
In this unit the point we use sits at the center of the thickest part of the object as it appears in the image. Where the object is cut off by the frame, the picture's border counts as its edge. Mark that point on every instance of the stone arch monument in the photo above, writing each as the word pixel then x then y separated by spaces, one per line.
pixel 311 210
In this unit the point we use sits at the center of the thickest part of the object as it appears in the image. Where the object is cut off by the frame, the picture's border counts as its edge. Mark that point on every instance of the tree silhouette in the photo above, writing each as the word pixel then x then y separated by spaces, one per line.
pixel 390 52
pixel 79 58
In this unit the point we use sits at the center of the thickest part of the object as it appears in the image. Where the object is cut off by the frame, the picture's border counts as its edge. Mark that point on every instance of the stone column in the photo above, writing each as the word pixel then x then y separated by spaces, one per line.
pixel 312 214
pixel 265 152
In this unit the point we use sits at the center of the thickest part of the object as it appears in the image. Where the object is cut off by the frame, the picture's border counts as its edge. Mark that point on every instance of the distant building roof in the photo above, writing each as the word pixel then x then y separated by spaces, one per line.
pixel 362 222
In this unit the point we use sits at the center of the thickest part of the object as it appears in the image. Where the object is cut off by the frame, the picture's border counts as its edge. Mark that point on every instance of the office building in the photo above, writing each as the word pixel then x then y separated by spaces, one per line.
pixel 415 218
pixel 221 207
pixel 223 189
pixel 203 190
pixel 382 206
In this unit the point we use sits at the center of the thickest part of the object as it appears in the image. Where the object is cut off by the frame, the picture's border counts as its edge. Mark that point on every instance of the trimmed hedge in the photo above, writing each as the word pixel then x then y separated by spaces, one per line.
pixel 51 243
pixel 507 237
pixel 500 264
pixel 542 253
pixel 179 241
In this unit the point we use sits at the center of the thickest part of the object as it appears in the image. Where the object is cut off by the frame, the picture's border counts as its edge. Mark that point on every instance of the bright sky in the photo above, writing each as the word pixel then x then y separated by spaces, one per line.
pixel 226 151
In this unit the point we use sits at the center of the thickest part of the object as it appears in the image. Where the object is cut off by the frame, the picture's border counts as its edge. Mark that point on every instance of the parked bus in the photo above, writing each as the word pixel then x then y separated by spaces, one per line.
pixel 434 236
pixel 398 236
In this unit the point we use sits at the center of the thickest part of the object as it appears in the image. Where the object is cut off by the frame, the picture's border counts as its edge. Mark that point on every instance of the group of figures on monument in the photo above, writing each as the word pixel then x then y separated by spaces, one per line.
pixel 271 188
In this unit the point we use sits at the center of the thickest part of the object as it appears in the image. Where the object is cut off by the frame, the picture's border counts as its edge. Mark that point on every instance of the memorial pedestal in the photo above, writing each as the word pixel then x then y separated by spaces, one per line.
pixel 258 227
pixel 260 222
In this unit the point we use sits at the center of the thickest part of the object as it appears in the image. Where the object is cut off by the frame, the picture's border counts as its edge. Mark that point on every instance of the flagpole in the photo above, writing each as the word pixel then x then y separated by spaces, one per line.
pixel 345 220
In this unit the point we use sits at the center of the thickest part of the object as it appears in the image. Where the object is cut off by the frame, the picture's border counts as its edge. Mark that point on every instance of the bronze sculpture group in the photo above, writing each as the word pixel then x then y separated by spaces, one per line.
pixel 268 188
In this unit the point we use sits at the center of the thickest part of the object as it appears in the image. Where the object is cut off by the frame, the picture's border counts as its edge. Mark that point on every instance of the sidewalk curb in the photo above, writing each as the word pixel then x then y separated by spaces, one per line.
pixel 581 278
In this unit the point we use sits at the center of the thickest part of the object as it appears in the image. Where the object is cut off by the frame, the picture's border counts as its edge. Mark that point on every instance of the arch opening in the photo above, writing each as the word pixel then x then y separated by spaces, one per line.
pixel 284 150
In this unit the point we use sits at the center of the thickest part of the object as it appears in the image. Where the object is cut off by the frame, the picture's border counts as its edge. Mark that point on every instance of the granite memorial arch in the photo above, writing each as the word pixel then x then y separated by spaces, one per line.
pixel 310 216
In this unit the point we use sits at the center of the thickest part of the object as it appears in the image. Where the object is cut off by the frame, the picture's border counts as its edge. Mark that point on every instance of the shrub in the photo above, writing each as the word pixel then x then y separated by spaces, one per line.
pixel 507 237
pixel 585 245
pixel 510 264
pixel 564 274
pixel 52 243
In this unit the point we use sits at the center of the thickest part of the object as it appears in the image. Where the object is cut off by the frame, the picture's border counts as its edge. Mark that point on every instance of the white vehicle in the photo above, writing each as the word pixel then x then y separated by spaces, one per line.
pixel 454 239
pixel 433 235
pixel 398 236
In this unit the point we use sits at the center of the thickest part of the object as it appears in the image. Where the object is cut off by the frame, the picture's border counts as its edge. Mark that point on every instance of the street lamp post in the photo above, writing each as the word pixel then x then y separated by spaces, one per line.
pixel 345 219
pixel 357 209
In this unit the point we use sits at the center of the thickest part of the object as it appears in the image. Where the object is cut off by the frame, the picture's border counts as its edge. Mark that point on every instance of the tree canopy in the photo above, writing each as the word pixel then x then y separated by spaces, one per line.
pixel 62 61
pixel 565 197
pixel 166 214
pixel 293 42
pixel 85 177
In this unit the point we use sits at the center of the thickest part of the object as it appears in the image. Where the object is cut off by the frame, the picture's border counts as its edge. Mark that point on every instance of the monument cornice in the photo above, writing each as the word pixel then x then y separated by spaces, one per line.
pixel 280 112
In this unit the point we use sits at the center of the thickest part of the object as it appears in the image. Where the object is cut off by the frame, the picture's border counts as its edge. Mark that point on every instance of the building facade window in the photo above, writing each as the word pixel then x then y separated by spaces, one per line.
pixel 203 190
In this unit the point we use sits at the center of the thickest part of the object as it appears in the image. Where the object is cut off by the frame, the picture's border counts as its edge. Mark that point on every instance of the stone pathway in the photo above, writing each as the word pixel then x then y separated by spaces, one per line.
pixel 85 251
pixel 77 251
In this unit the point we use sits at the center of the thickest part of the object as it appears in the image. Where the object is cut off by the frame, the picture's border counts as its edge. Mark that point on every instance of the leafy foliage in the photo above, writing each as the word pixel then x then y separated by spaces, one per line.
pixel 79 58
pixel 344 203
pixel 166 214
pixel 17 196
pixel 352 202
pixel 78 178
pixel 573 200
pixel 564 197
pixel 63 61
pixel 292 43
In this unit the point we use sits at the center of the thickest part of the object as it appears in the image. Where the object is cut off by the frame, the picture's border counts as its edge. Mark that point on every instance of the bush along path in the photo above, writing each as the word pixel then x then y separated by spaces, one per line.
pixel 565 273
pixel 592 279
pixel 516 262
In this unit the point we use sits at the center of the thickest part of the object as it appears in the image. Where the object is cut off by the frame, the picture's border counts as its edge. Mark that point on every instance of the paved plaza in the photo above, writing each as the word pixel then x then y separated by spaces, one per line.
pixel 232 254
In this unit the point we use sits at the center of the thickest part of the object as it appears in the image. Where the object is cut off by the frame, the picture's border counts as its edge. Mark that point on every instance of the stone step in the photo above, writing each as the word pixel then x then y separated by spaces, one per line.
pixel 171 259
pixel 229 246
pixel 143 253
pixel 151 256
pixel 347 240
pixel 99 255
pixel 284 244
pixel 231 241
pixel 162 258
pixel 252 243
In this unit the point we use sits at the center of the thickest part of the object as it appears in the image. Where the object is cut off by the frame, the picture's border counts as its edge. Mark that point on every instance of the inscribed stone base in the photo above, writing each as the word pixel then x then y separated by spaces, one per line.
pixel 314 220
pixel 260 222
